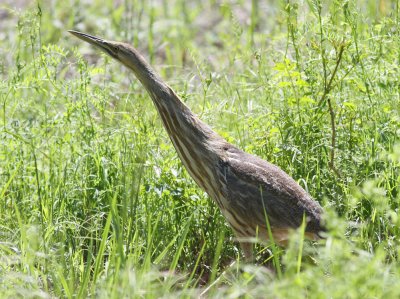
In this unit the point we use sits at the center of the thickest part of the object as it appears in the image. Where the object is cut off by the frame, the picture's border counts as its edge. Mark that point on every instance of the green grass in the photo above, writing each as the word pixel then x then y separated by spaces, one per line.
pixel 93 199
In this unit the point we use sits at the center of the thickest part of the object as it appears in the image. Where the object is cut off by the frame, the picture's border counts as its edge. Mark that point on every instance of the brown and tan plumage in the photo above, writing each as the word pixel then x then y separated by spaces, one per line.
pixel 247 189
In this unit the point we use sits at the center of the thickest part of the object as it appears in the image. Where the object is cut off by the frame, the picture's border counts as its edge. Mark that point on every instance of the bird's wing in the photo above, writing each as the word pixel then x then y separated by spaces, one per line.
pixel 256 189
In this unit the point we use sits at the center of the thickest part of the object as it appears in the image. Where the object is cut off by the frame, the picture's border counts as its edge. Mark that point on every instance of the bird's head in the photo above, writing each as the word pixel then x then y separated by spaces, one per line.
pixel 124 53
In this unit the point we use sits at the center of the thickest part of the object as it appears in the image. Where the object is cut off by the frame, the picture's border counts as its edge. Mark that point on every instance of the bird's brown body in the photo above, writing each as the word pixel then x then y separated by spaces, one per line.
pixel 249 191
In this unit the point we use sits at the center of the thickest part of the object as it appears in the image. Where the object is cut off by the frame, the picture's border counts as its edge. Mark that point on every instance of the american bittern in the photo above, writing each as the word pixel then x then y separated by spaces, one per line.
pixel 250 192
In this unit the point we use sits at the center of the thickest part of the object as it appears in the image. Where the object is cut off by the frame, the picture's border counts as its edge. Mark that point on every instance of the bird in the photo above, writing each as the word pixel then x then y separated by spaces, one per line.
pixel 257 198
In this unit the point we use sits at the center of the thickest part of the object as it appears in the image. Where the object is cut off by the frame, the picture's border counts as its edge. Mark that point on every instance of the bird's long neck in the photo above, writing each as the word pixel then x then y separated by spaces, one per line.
pixel 197 144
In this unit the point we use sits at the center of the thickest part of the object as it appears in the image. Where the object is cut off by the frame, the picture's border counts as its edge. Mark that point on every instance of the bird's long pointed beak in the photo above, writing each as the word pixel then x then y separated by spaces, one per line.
pixel 129 57
pixel 94 40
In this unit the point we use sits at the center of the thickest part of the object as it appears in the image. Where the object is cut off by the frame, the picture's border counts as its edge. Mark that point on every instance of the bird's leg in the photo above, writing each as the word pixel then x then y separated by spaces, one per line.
pixel 247 248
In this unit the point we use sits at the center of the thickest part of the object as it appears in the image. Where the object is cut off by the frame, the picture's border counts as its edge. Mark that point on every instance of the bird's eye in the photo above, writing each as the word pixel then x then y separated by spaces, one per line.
pixel 112 51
